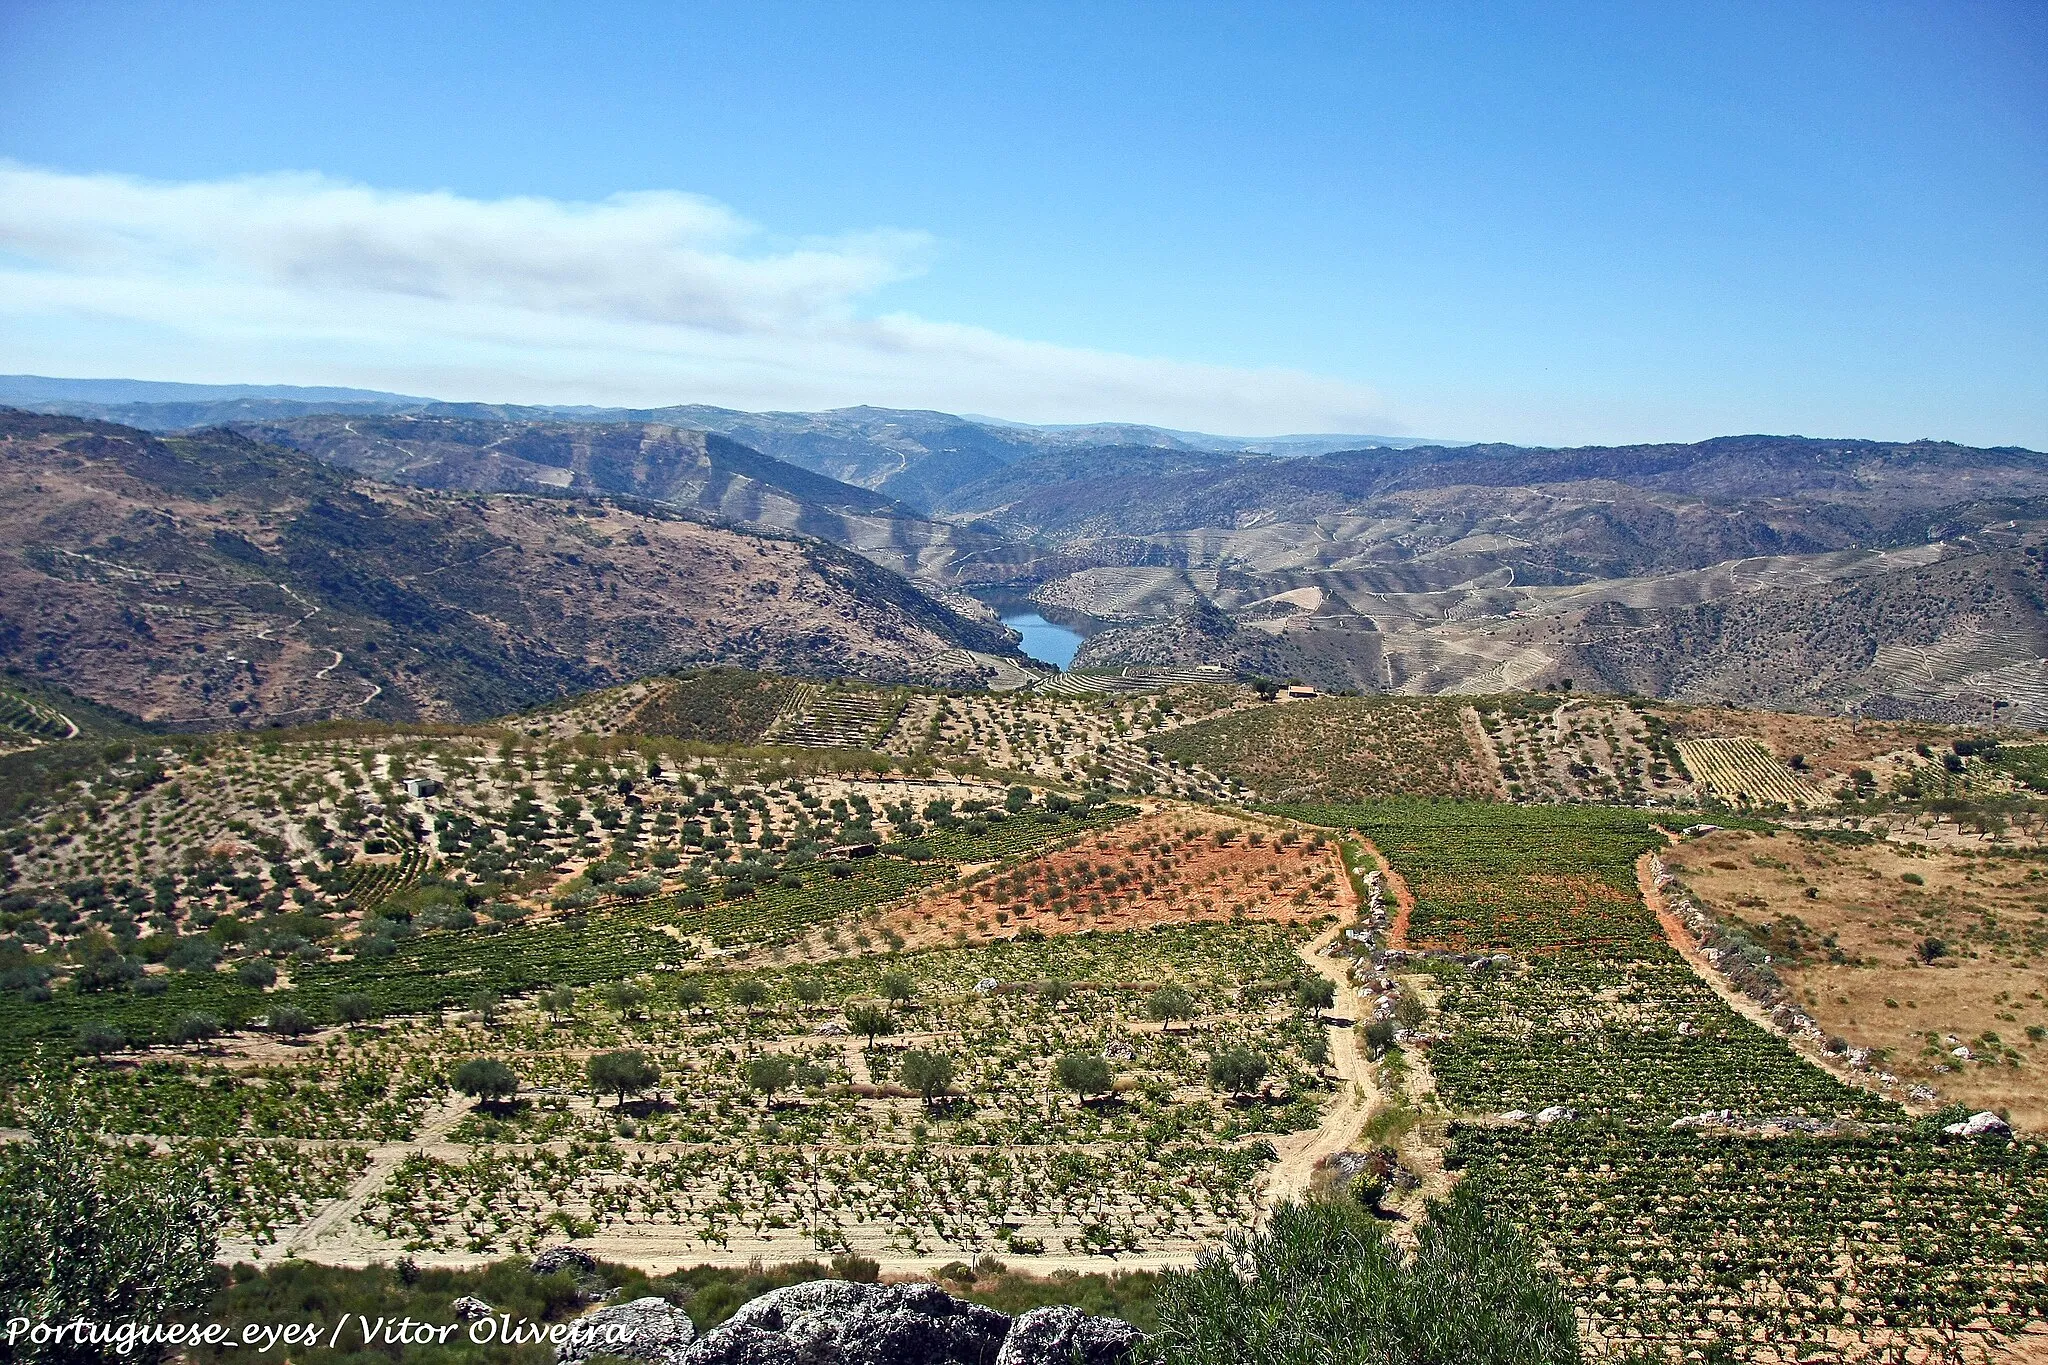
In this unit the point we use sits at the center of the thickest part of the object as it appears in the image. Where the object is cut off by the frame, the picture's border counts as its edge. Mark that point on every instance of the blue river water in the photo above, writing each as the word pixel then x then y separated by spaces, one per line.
pixel 1044 641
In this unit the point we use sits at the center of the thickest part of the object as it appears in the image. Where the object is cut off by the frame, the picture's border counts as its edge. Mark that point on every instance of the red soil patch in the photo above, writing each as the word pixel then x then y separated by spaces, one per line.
pixel 1165 868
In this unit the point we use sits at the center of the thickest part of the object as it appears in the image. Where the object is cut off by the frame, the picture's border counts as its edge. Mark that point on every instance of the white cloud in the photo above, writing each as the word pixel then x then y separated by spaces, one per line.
pixel 645 298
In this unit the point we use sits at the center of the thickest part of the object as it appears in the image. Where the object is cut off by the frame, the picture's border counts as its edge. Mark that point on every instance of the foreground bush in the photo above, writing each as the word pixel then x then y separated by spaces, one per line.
pixel 1323 1285
pixel 82 1237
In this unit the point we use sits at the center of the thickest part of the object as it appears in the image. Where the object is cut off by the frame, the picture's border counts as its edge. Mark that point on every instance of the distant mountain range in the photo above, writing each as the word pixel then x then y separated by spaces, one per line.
pixel 916 457
pixel 1879 578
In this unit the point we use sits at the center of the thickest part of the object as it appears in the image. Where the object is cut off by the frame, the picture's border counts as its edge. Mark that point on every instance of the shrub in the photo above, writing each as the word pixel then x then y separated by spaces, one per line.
pixel 1237 1070
pixel 82 1238
pixel 1321 1282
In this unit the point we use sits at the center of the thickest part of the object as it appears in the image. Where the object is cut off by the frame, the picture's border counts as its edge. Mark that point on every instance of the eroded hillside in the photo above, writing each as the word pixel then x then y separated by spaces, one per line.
pixel 212 580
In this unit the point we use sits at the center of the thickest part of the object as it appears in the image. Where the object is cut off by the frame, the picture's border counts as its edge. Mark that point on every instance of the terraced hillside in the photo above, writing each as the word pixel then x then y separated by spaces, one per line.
pixel 967 975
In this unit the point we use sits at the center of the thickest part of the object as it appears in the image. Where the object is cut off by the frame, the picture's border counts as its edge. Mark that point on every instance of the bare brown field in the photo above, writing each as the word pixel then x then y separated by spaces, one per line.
pixel 1850 936
pixel 1172 866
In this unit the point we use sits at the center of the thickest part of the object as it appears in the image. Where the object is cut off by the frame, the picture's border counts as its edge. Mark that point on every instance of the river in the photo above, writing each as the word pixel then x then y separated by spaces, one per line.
pixel 1044 641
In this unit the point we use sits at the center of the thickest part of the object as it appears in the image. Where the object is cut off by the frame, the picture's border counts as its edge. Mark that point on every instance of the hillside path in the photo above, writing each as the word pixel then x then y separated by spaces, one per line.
pixel 1397 887
pixel 1356 1093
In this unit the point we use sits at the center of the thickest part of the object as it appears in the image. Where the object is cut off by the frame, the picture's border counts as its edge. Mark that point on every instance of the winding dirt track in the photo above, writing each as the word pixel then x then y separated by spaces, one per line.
pixel 1300 1152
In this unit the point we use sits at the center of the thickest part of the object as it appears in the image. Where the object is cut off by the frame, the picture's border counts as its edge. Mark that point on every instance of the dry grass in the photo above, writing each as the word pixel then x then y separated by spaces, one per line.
pixel 1852 952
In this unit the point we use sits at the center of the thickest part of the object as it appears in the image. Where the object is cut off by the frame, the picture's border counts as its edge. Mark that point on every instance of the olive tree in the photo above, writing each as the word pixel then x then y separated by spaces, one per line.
pixel 1169 1004
pixel 871 1022
pixel 622 1073
pixel 1084 1073
pixel 487 1079
pixel 930 1074
pixel 1237 1071
pixel 771 1072
pixel 97 1039
pixel 85 1236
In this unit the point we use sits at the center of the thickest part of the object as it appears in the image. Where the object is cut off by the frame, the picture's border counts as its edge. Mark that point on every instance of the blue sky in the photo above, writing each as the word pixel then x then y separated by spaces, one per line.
pixel 1576 223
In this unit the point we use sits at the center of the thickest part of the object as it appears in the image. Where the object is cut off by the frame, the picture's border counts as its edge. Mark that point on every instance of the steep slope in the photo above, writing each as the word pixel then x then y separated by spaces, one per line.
pixel 213 580
pixel 1962 639
pixel 693 469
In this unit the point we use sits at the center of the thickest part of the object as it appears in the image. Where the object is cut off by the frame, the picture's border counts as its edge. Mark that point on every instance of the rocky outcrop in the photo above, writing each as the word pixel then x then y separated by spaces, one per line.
pixel 556 1259
pixel 1059 1335
pixel 653 1330
pixel 835 1322
pixel 840 1323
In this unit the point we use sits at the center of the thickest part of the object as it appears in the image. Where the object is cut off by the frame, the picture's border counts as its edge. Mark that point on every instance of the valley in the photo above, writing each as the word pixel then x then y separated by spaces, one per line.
pixel 452 837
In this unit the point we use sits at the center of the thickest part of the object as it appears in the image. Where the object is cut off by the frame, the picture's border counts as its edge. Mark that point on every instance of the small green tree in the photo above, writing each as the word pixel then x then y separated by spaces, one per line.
pixel 1084 1073
pixel 1379 1036
pixel 690 996
pixel 1237 1070
pixel 257 973
pixel 807 989
pixel 196 1028
pixel 897 987
pixel 1409 1011
pixel 771 1072
pixel 870 1022
pixel 749 994
pixel 559 1003
pixel 354 1008
pixel 626 998
pixel 85 1237
pixel 484 1005
pixel 1169 1004
pixel 99 1038
pixel 288 1022
pixel 1055 990
pixel 1314 994
pixel 487 1080
pixel 929 1073
pixel 622 1073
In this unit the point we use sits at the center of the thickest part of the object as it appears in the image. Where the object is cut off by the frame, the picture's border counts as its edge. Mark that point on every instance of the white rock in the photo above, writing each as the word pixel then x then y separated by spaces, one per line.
pixel 1986 1124
pixel 1555 1113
